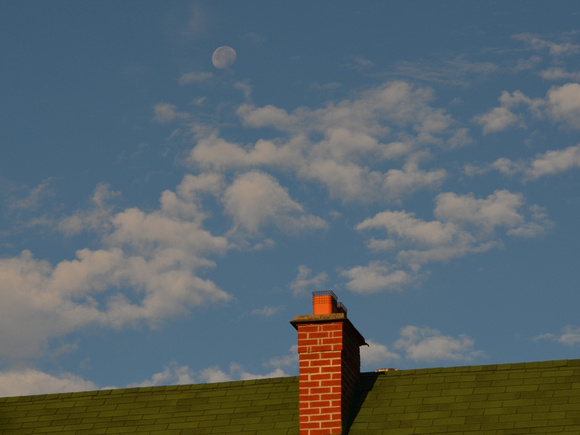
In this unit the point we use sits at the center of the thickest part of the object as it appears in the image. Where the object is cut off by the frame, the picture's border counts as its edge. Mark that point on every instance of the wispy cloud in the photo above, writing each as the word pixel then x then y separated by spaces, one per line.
pixel 341 145
pixel 549 163
pixel 31 381
pixel 256 199
pixel 166 113
pixel 420 345
pixel 34 197
pixel 194 77
pixel 305 281
pixel 155 254
pixel 464 225
pixel 569 336
pixel 377 355
pixel 265 311
pixel 540 43
pixel 426 344
pixel 558 73
pixel 456 71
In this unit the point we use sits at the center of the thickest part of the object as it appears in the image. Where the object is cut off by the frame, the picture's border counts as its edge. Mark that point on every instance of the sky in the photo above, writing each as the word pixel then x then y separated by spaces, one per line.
pixel 162 219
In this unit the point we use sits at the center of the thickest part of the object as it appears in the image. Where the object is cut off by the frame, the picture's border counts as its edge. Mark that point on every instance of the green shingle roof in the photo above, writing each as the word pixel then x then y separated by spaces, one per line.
pixel 541 397
pixel 265 406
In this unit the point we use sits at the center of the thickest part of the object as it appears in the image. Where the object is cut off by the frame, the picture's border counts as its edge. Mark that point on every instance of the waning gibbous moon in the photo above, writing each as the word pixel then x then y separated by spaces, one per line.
pixel 223 57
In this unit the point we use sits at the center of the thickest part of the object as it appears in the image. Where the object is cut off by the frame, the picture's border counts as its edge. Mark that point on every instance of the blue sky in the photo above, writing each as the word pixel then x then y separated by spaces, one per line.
pixel 163 220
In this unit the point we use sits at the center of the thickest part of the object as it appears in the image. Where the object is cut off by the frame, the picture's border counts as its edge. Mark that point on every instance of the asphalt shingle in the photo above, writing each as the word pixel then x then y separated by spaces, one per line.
pixel 539 397
pixel 527 398
pixel 252 407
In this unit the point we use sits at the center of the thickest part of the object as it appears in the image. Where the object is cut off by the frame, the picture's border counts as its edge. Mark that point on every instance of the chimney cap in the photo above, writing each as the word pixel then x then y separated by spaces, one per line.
pixel 324 293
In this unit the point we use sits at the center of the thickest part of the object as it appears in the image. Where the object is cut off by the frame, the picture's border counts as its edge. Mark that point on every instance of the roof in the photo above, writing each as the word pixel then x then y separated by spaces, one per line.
pixel 249 407
pixel 540 397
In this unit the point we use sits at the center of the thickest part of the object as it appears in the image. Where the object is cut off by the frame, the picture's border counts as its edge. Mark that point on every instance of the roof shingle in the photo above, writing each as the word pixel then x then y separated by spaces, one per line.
pixel 539 397
pixel 250 407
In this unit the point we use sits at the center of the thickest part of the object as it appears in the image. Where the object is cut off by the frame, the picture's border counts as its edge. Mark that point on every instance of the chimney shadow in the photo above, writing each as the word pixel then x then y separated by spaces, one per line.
pixel 364 385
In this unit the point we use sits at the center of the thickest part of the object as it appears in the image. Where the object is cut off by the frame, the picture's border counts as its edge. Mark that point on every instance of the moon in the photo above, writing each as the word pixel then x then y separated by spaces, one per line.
pixel 223 57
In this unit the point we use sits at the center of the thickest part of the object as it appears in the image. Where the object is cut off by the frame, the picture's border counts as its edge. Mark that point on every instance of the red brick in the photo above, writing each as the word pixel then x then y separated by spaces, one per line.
pixel 336 410
pixel 308 328
pixel 321 377
pixel 307 342
pixel 321 348
pixel 310 356
pixel 332 327
pixel 319 403
pixel 323 334
pixel 332 424
pixel 314 425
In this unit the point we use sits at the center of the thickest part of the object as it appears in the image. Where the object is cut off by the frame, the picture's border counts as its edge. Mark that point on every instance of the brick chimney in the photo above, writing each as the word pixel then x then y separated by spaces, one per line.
pixel 329 350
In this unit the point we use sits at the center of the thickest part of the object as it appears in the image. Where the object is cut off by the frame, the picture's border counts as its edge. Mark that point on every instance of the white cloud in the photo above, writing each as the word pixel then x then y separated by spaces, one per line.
pixel 214 152
pixel 172 374
pixel 240 373
pixel 464 225
pixel 537 42
pixel 265 311
pixel 506 166
pixel 166 113
pixel 549 163
pixel 526 64
pixel 290 360
pixel 420 241
pixel 339 144
pixel 557 73
pixel 456 71
pixel 146 270
pixel 539 224
pixel 406 225
pixel 214 374
pixel 267 116
pixel 375 277
pixel 570 336
pixel 305 280
pixel 398 183
pixel 245 88
pixel 34 198
pixel 500 209
pixel 30 381
pixel 377 355
pixel 426 344
pixel 255 199
pixel 498 119
pixel 97 218
pixel 360 63
pixel 194 77
pixel 553 162
pixel 564 104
